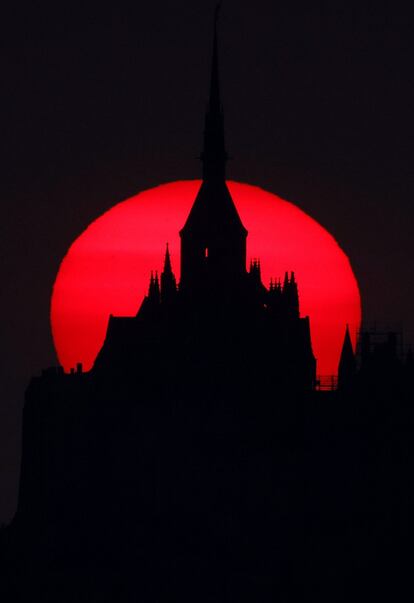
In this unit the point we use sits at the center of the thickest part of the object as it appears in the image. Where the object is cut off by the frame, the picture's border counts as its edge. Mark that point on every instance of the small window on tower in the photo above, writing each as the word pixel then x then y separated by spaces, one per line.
pixel 206 252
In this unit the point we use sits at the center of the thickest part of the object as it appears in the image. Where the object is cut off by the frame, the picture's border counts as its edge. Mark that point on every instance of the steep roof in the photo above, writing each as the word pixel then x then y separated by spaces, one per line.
pixel 213 212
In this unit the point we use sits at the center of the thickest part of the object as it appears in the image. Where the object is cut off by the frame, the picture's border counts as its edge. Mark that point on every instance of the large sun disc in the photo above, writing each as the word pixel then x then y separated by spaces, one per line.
pixel 107 268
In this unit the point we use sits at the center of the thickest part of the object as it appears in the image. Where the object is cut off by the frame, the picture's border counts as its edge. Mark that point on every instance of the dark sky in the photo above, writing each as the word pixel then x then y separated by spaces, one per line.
pixel 99 103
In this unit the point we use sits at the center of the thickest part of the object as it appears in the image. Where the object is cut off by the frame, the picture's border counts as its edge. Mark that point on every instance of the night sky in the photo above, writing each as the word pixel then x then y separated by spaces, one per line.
pixel 98 104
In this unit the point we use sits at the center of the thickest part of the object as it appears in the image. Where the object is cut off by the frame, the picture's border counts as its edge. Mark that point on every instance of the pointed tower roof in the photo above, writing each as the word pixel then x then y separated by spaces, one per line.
pixel 347 365
pixel 167 261
pixel 214 209
pixel 347 349
pixel 168 282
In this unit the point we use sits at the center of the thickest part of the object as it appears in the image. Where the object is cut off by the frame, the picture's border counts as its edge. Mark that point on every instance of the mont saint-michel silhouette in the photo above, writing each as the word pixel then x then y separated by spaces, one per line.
pixel 196 461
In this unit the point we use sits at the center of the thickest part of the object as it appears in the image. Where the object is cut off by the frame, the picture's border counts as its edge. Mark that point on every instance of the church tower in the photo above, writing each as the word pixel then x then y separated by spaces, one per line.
pixel 213 239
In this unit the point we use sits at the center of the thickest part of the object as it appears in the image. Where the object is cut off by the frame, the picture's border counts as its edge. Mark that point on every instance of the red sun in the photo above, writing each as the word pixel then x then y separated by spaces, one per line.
pixel 106 270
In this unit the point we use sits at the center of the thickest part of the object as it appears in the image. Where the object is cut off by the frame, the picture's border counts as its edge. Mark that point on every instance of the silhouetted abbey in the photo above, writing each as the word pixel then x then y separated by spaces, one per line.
pixel 220 326
pixel 196 462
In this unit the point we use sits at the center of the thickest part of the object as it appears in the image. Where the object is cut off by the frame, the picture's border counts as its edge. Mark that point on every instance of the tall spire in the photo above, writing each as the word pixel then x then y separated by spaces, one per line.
pixel 167 261
pixel 214 100
pixel 214 156
pixel 213 238
pixel 168 282
pixel 347 364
